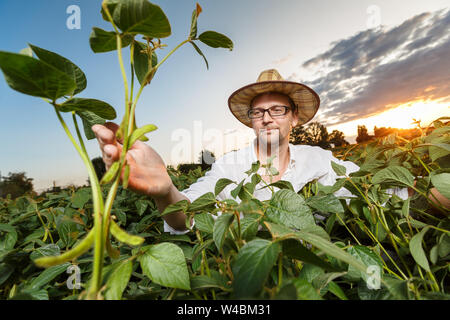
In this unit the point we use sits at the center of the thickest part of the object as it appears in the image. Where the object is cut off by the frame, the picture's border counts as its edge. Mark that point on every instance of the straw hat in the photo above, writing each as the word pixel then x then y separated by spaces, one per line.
pixel 303 97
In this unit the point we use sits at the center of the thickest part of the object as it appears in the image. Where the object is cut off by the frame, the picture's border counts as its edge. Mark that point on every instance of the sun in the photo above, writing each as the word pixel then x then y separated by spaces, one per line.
pixel 401 116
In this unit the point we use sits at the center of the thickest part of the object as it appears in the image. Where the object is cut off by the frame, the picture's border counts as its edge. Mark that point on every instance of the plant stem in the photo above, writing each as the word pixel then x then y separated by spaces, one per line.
pixel 345 225
pixel 280 271
pixel 170 53
pixel 98 209
pixel 78 132
pixel 122 68
pixel 132 69
pixel 385 252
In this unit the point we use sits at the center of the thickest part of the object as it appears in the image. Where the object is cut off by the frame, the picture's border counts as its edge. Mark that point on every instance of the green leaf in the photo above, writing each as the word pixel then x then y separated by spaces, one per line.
pixel 142 65
pixel 332 189
pixel 89 119
pixel 64 65
pixel 325 203
pixel 249 227
pixel 434 254
pixel 205 282
pixel 339 169
pixel 438 148
pixel 322 280
pixel 325 245
pixel 195 14
pixel 181 205
pixel 200 53
pixel 366 256
pixel 81 197
pixel 254 169
pixel 67 230
pixel 45 251
pixel 35 78
pixel 293 248
pixel 289 208
pixel 394 174
pixel 237 190
pixel 444 245
pixel 204 222
pixel 246 192
pixel 47 275
pixel 252 266
pixel 305 290
pixel 118 280
pixel 138 133
pixel 222 184
pixel 415 246
pixel 216 40
pixel 99 108
pixel 165 264
pixel 405 207
pixel 336 290
pixel 141 206
pixel 10 238
pixel 256 178
pixel 139 17
pixel 5 271
pixel 281 184
pixel 221 228
pixel 204 201
pixel 104 41
pixel 125 237
pixel 442 183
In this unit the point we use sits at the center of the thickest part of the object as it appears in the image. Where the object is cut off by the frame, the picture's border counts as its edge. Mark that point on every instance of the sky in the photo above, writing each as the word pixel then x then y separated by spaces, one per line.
pixel 377 63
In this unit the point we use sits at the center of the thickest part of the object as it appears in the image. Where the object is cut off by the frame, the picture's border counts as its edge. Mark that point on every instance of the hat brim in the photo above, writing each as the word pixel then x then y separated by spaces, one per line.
pixel 305 98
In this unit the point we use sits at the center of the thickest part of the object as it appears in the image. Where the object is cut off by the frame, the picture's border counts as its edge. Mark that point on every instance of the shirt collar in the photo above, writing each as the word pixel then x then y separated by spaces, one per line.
pixel 253 156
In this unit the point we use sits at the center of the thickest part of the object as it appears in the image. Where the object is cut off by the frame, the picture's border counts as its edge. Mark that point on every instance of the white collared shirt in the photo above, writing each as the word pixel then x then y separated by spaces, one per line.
pixel 306 163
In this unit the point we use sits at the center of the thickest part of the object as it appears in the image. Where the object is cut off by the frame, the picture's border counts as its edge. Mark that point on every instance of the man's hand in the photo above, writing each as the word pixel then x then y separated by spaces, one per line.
pixel 148 173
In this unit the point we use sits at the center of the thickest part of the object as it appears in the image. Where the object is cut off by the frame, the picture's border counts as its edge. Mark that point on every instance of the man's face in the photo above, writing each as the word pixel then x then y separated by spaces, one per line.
pixel 276 129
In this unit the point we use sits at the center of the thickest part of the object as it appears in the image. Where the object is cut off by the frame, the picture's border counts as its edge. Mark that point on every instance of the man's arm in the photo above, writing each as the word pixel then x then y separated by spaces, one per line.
pixel 177 219
pixel 435 196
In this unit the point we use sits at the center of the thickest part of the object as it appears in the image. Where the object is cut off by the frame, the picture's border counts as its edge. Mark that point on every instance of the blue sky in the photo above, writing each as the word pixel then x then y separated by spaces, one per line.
pixel 325 44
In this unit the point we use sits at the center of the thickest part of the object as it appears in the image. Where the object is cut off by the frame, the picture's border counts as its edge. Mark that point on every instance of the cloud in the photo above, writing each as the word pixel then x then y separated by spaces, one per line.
pixel 378 69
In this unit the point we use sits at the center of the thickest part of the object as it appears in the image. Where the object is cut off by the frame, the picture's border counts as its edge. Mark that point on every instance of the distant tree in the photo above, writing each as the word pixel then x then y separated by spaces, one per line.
pixel 298 135
pixel 15 184
pixel 363 134
pixel 337 138
pixel 317 135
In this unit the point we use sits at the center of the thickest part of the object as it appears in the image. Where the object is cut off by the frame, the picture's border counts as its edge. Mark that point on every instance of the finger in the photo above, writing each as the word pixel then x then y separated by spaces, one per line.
pixel 104 135
pixel 110 154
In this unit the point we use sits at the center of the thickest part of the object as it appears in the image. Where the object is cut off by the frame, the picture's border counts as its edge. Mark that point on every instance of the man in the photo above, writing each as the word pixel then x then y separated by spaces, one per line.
pixel 272 107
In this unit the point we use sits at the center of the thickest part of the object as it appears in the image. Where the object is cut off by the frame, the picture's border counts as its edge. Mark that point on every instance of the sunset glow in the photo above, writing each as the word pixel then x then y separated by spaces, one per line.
pixel 401 116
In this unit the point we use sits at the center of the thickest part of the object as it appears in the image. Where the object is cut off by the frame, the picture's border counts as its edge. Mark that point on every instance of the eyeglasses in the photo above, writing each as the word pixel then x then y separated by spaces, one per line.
pixel 274 111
